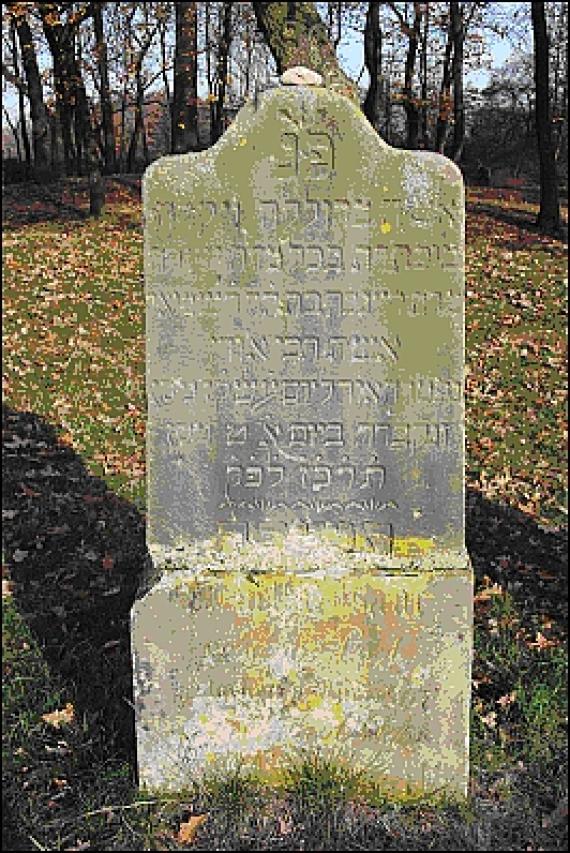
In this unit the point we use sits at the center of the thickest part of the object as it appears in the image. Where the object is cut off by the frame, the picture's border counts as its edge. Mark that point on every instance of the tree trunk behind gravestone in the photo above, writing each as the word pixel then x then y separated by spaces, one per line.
pixel 22 123
pixel 549 214
pixel 38 111
pixel 424 79
pixel 444 95
pixel 185 98
pixel 55 145
pixel 138 126
pixel 60 37
pixel 458 35
pixel 410 102
pixel 373 62
pixel 65 114
pixel 209 76
pixel 296 35
pixel 222 70
pixel 96 188
pixel 90 156
pixel 106 105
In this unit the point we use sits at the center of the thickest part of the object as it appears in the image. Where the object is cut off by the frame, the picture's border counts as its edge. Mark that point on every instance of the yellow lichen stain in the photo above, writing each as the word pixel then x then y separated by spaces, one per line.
pixel 412 547
pixel 259 618
pixel 225 542
pixel 338 712
pixel 385 228
pixel 310 702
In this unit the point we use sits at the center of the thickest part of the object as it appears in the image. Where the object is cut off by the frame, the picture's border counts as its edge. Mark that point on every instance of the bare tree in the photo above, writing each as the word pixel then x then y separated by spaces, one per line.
pixel 424 78
pixel 34 90
pixel 185 98
pixel 105 93
pixel 444 103
pixel 559 27
pixel 22 122
pixel 409 98
pixel 60 27
pixel 549 214
pixel 458 38
pixel 142 43
pixel 225 24
pixel 373 61
pixel 71 96
pixel 335 23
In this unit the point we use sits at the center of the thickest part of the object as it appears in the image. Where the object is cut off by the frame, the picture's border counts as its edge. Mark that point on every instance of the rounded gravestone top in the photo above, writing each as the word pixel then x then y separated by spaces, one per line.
pixel 301 76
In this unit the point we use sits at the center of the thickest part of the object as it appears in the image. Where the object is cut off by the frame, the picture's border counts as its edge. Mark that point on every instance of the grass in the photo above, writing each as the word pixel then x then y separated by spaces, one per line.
pixel 74 543
pixel 520 703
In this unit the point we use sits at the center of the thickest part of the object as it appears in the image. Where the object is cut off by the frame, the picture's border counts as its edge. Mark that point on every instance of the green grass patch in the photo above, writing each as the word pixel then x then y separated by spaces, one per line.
pixel 318 783
pixel 519 710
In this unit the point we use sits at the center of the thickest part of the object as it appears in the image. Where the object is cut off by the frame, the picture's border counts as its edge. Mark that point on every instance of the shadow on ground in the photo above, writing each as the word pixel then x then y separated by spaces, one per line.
pixel 514 550
pixel 62 201
pixel 76 554
pixel 28 204
pixel 523 220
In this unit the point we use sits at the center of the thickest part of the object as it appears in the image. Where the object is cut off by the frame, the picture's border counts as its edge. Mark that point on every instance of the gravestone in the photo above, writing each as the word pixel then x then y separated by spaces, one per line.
pixel 305 343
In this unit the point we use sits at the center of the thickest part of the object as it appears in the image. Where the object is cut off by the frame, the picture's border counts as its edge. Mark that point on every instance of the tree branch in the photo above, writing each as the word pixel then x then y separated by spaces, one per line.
pixel 14 79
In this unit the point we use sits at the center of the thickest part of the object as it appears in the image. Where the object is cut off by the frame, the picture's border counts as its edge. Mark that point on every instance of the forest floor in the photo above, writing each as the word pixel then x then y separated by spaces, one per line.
pixel 73 519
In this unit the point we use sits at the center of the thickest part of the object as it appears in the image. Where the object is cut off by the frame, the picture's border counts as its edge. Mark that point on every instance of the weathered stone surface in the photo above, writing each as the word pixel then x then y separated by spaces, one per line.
pixel 367 669
pixel 304 288
pixel 305 333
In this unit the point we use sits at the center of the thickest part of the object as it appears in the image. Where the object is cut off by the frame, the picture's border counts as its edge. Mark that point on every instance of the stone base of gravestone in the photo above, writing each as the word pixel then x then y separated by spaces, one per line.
pixel 368 668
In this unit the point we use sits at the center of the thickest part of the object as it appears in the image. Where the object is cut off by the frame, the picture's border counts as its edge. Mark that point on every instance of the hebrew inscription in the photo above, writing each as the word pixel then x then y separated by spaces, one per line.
pixel 305 334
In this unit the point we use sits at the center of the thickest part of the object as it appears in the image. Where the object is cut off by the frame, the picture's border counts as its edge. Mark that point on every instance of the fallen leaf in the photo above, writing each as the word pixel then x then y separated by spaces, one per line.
pixel 490 720
pixel 7 588
pixel 489 592
pixel 187 831
pixel 18 555
pixel 507 699
pixel 66 438
pixel 30 493
pixel 542 642
pixel 285 826
pixel 59 718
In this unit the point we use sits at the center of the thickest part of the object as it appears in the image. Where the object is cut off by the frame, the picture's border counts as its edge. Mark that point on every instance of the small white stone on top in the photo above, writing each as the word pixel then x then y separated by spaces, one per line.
pixel 301 76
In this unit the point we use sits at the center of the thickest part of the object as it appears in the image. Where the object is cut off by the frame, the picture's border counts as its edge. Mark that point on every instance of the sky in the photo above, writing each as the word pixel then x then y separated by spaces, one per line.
pixel 351 56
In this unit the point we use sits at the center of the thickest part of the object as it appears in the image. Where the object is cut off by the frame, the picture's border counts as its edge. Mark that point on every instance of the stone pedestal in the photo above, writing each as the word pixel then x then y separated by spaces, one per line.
pixel 365 667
